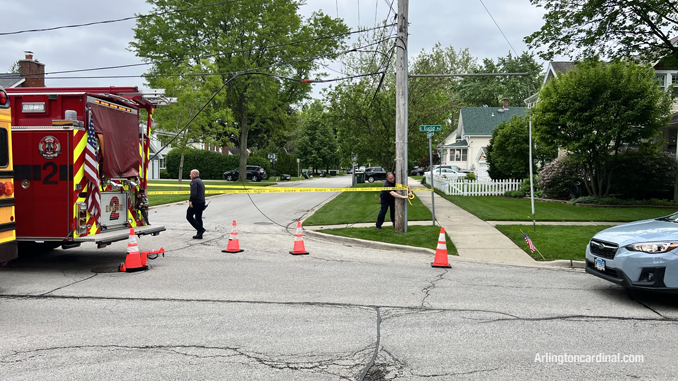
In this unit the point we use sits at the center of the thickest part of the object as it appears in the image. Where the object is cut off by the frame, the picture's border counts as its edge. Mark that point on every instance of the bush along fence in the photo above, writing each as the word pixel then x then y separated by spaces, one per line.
pixel 462 187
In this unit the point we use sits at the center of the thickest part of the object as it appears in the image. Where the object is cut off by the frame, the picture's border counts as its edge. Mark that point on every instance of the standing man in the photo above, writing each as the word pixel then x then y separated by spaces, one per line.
pixel 196 203
pixel 388 200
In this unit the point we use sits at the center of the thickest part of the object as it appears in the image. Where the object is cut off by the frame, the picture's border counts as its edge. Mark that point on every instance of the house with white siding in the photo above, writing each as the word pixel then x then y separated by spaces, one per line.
pixel 466 146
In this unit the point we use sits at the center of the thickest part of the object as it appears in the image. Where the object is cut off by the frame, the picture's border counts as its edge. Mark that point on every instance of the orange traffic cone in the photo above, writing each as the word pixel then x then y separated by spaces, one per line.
pixel 441 251
pixel 298 242
pixel 133 261
pixel 233 245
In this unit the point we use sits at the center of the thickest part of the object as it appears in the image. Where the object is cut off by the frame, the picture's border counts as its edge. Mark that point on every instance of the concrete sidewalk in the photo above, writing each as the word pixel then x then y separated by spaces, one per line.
pixel 474 238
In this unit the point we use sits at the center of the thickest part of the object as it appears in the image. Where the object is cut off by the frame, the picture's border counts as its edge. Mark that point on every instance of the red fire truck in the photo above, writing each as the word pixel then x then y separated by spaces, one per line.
pixel 80 160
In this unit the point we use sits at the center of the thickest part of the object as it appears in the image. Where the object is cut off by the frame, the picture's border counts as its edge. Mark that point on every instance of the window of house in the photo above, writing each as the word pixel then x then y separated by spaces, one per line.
pixel 458 154
pixel 672 139
pixel 674 82
pixel 162 163
pixel 661 80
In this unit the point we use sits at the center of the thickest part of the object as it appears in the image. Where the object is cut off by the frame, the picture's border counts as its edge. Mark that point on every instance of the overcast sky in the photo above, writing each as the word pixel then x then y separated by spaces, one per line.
pixel 461 24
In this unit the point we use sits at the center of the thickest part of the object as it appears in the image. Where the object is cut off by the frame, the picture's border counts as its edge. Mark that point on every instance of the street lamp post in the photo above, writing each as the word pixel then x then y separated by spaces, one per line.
pixel 298 173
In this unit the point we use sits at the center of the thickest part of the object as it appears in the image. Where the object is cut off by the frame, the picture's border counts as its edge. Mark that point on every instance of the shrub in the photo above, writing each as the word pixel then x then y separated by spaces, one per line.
pixel 423 180
pixel 514 194
pixel 619 201
pixel 635 170
pixel 211 165
pixel 470 176
pixel 165 175
pixel 560 178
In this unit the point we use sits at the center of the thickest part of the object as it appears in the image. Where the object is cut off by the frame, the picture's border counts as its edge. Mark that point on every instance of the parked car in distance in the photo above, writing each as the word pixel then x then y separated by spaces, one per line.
pixel 349 171
pixel 637 255
pixel 375 173
pixel 417 171
pixel 448 173
pixel 254 173
pixel 285 177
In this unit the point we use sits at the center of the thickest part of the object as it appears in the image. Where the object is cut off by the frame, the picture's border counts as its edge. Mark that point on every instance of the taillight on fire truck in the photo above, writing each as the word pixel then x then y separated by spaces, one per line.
pixel 82 218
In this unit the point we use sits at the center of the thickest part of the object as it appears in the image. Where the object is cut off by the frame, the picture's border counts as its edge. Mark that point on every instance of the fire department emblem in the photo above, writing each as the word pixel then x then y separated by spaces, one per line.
pixel 49 147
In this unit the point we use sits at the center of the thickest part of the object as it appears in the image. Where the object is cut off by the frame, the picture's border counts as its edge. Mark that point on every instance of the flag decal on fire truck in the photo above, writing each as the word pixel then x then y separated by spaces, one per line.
pixel 92 172
pixel 49 147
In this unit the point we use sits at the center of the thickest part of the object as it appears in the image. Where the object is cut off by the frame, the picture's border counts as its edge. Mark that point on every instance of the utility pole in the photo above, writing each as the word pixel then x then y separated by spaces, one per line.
pixel 401 114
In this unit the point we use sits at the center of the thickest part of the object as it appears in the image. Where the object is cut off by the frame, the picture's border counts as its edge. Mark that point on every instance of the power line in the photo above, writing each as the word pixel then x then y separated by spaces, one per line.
pixel 212 55
pixel 250 73
pixel 495 23
pixel 116 20
pixel 226 73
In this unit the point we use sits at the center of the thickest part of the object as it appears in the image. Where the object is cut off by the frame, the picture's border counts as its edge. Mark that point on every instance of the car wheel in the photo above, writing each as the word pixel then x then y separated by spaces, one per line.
pixel 229 178
pixel 255 179
pixel 370 179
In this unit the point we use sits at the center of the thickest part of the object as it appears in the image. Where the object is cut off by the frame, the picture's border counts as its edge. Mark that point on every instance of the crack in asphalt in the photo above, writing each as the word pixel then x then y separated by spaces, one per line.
pixel 456 373
pixel 68 285
pixel 327 363
pixel 648 307
pixel 405 309
pixel 376 347
pixel 428 288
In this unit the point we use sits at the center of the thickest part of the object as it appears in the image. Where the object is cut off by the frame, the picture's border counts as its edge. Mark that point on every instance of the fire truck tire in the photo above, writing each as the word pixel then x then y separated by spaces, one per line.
pixel 31 248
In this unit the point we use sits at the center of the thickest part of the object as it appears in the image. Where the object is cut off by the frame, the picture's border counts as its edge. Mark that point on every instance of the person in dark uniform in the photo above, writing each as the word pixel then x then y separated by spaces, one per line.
pixel 388 200
pixel 196 204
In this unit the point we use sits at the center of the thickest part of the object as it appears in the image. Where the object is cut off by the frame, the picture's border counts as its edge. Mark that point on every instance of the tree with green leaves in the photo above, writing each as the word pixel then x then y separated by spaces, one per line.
pixel 363 109
pixel 491 90
pixel 598 110
pixel 611 28
pixel 316 142
pixel 252 45
pixel 192 93
pixel 508 152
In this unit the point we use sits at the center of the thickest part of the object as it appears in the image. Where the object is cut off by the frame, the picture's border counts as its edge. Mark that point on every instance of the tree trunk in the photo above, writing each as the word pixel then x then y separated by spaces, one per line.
pixel 181 168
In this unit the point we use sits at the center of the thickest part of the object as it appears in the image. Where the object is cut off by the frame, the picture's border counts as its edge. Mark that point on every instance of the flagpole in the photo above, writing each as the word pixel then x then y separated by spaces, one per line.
pixel 535 247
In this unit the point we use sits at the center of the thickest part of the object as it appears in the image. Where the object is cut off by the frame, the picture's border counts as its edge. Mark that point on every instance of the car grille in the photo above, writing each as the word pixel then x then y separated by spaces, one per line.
pixel 603 249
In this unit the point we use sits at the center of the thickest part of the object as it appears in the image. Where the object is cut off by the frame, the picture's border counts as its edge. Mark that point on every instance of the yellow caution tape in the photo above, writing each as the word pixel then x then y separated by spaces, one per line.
pixel 282 190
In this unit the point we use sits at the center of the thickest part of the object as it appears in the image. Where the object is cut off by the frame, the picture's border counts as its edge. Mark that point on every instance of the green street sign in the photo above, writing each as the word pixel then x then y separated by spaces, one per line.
pixel 430 128
pixel 429 134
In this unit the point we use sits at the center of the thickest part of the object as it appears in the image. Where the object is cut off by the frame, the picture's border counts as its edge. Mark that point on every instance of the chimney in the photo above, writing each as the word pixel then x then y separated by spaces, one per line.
pixel 32 70
pixel 505 103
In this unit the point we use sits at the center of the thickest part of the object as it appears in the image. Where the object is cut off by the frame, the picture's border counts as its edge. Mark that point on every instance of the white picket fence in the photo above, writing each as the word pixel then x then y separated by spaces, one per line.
pixel 461 187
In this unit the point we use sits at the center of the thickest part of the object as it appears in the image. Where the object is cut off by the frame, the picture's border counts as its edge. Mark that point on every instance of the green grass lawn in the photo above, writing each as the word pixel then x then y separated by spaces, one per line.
pixel 554 242
pixel 354 207
pixel 419 236
pixel 495 208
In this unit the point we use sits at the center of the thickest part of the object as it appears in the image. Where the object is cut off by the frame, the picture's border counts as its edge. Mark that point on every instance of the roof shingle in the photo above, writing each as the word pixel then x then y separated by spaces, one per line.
pixel 481 121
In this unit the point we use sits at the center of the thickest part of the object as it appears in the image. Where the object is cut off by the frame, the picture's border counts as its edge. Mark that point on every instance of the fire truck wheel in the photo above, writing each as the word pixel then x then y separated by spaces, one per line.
pixel 32 248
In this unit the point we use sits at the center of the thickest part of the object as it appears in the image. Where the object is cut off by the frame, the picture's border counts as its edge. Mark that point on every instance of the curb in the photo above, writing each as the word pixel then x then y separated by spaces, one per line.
pixel 556 264
pixel 368 244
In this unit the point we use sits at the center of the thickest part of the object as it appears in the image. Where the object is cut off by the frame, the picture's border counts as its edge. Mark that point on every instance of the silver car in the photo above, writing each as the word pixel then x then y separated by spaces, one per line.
pixel 638 255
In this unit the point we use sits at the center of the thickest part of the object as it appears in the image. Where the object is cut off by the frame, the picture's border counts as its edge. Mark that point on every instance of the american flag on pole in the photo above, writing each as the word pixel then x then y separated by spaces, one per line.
pixel 92 172
pixel 529 242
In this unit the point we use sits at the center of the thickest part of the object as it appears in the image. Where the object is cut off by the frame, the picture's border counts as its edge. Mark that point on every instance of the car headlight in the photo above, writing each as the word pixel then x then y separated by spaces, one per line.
pixel 652 247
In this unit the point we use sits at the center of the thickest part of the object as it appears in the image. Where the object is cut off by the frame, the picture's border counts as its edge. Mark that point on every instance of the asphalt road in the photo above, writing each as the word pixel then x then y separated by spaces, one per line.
pixel 264 314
